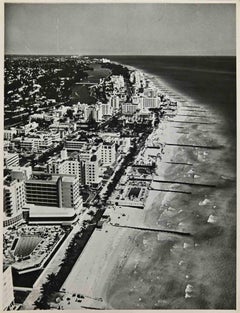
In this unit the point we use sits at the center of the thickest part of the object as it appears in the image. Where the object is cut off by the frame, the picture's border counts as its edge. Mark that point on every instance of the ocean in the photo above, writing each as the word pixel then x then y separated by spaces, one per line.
pixel 174 273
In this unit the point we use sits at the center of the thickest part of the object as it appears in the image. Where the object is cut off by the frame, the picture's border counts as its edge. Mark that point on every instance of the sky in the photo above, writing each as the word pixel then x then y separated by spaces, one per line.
pixel 120 28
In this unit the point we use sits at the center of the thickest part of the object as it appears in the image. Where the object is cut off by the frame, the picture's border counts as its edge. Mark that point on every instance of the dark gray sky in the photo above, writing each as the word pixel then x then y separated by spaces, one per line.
pixel 145 29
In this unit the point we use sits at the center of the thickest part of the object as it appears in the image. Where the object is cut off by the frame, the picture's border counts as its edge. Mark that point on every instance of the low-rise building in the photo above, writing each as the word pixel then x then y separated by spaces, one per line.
pixel 129 108
pixel 9 134
pixel 11 159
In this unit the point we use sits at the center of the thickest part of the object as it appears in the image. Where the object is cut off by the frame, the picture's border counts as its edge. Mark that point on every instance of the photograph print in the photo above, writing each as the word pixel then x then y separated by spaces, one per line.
pixel 119 172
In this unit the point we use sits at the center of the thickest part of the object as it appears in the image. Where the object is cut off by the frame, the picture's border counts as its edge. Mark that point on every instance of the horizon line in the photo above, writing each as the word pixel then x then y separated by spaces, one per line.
pixel 108 55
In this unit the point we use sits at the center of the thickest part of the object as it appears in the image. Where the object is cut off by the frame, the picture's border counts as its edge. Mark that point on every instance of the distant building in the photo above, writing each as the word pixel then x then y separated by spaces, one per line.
pixel 146 103
pixel 115 103
pixel 110 137
pixel 129 108
pixel 36 143
pixel 9 134
pixel 103 111
pixel 137 78
pixel 30 126
pixel 118 81
pixel 74 144
pixel 88 111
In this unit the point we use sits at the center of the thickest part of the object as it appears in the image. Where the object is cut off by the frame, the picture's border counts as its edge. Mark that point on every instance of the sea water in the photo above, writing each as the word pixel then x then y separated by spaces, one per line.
pixel 197 272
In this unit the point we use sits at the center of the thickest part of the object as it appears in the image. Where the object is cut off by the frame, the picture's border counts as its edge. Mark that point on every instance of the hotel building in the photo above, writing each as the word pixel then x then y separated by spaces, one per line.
pixel 14 201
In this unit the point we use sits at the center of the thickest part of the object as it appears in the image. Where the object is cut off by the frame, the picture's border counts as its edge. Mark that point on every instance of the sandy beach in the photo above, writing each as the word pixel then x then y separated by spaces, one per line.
pixel 133 269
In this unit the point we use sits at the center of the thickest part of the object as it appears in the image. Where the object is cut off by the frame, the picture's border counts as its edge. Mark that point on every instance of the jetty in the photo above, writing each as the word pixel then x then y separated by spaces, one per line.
pixel 156 230
pixel 183 183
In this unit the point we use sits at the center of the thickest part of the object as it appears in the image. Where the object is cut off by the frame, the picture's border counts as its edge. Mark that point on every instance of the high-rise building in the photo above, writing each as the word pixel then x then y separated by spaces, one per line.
pixel 93 170
pixel 67 165
pixel 70 196
pixel 108 153
pixel 60 190
pixel 43 191
pixel 14 200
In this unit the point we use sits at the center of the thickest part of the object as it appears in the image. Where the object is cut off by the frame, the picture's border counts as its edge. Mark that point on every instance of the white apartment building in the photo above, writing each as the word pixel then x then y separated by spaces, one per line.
pixel 150 92
pixel 66 166
pixel 93 170
pixel 146 103
pixel 36 144
pixel 118 81
pixel 108 153
pixel 129 108
pixel 9 134
pixel 73 144
pixel 104 110
pixel 137 78
pixel 14 201
pixel 115 103
pixel 70 196
pixel 88 111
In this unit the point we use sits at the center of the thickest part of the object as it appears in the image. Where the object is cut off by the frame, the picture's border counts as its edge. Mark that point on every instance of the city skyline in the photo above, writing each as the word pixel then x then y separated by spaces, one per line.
pixel 131 29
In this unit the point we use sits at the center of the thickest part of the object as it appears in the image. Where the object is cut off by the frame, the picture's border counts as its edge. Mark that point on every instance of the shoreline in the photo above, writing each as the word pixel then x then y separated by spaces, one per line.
pixel 124 244
pixel 118 243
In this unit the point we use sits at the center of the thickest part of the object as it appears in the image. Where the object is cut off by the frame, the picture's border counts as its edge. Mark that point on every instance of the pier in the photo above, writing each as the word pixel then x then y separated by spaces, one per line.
pixel 184 183
pixel 189 122
pixel 143 166
pixel 193 146
pixel 191 115
pixel 156 230
pixel 191 106
pixel 171 190
pixel 152 147
pixel 179 163
pixel 193 110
